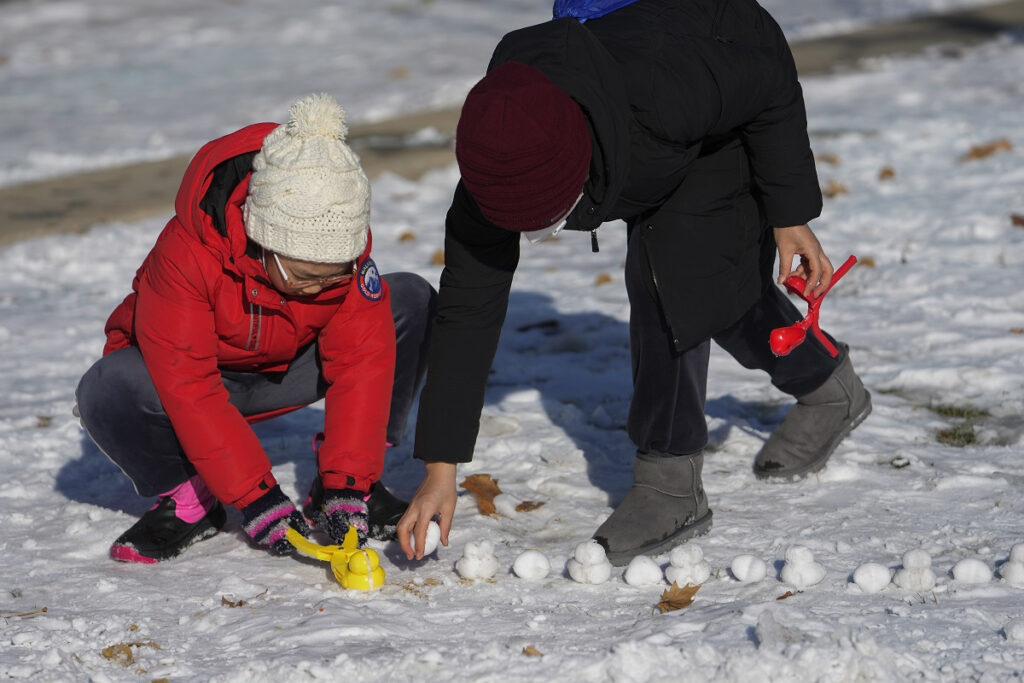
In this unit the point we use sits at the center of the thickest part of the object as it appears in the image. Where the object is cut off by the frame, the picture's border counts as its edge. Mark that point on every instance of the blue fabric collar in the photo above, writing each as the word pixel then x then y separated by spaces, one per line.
pixel 587 9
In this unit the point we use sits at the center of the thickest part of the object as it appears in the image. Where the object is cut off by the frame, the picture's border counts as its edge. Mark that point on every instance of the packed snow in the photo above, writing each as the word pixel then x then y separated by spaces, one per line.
pixel 934 315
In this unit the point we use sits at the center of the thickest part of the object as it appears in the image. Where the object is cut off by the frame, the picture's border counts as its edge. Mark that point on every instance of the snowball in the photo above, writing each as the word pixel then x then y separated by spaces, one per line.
pixel 798 554
pixel 695 574
pixel 589 573
pixel 590 552
pixel 1017 553
pixel 802 574
pixel 531 565
pixel 1014 630
pixel 432 539
pixel 916 559
pixel 915 578
pixel 972 570
pixel 686 555
pixel 477 561
pixel 1013 574
pixel 642 571
pixel 748 569
pixel 872 577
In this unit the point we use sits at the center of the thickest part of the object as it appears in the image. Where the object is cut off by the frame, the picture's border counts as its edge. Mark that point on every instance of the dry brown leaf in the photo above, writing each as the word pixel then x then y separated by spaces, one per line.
pixel 602 279
pixel 485 489
pixel 788 594
pixel 438 258
pixel 531 651
pixel 400 73
pixel 133 627
pixel 43 421
pixel 551 269
pixel 231 603
pixel 834 189
pixel 1017 330
pixel 1017 219
pixel 827 158
pixel 675 598
pixel 987 149
pixel 867 262
pixel 528 505
pixel 887 173
pixel 122 652
pixel 407 237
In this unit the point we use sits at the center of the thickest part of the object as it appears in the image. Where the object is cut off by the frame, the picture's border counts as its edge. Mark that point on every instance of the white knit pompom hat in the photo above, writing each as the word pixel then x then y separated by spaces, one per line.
pixel 309 198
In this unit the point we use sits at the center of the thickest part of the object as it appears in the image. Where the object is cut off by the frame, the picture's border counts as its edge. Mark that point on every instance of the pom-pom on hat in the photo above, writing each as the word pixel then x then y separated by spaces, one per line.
pixel 309 198
pixel 523 148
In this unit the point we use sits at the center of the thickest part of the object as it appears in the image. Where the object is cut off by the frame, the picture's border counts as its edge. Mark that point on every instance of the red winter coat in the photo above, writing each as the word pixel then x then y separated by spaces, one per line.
pixel 200 304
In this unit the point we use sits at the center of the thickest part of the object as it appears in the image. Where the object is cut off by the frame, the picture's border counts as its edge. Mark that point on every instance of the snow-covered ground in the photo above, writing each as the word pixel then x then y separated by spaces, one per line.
pixel 92 83
pixel 935 319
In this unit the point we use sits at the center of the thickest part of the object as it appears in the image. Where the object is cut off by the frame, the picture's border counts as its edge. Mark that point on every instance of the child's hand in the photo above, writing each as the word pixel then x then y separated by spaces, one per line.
pixel 266 521
pixel 341 509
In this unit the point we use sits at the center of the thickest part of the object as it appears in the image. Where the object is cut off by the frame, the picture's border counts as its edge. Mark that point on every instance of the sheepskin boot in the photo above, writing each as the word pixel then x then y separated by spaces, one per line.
pixel 815 425
pixel 665 507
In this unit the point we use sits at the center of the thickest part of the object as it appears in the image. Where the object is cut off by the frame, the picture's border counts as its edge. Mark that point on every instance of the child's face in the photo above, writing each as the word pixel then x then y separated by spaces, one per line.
pixel 290 276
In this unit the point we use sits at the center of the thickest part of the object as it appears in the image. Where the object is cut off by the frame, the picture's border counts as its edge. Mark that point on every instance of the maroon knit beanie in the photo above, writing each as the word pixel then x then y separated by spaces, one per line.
pixel 523 148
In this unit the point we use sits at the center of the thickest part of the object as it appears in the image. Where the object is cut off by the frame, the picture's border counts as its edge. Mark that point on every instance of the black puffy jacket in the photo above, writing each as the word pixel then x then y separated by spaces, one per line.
pixel 699 140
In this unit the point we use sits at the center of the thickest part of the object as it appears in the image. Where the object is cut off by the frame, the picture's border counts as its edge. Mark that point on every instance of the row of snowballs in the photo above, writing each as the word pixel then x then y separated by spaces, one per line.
pixel 590 565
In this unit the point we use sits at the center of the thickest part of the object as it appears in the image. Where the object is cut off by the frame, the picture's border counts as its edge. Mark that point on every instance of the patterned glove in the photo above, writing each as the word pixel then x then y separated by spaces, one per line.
pixel 267 519
pixel 342 508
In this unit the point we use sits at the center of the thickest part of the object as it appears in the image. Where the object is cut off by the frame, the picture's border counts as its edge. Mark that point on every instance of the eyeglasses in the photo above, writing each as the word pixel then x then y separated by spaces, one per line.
pixel 538 236
pixel 310 282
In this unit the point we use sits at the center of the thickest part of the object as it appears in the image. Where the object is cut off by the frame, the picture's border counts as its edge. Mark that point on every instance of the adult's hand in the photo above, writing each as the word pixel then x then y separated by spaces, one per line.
pixel 814 267
pixel 435 497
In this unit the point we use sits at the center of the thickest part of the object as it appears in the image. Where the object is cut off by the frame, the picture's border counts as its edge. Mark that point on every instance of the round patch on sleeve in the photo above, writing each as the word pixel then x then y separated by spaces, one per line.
pixel 370 285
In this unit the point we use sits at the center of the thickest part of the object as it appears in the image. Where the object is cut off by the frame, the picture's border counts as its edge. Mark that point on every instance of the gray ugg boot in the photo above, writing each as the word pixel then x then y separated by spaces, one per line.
pixel 815 425
pixel 665 507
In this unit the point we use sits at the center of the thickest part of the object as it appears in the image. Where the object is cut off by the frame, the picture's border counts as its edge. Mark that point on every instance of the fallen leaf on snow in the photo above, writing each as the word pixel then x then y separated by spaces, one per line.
pixel 122 652
pixel 1017 219
pixel 485 489
pixel 407 237
pixel 828 158
pixel 231 603
pixel 1017 330
pixel 867 262
pixel 531 651
pixel 987 149
pixel 438 258
pixel 675 598
pixel 887 173
pixel 788 594
pixel 528 505
pixel 834 189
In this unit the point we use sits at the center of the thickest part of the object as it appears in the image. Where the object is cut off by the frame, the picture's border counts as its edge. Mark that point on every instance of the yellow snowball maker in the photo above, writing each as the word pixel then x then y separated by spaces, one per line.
pixel 354 568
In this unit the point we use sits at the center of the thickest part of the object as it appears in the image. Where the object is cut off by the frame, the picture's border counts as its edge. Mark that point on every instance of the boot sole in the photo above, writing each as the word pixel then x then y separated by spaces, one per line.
pixel 698 528
pixel 820 462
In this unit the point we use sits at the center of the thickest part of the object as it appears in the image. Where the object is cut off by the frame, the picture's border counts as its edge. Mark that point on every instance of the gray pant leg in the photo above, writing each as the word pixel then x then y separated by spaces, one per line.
pixel 413 302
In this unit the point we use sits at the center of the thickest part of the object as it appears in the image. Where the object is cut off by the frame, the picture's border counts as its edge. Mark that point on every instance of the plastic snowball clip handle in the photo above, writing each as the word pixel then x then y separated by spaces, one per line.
pixel 784 339
pixel 353 567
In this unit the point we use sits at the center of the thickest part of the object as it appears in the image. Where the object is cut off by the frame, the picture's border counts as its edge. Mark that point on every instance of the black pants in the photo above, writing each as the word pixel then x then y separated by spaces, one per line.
pixel 669 387
pixel 123 415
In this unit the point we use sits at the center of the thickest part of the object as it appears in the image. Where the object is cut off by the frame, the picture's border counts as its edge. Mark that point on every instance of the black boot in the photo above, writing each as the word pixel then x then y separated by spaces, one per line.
pixel 160 534
pixel 665 507
pixel 383 508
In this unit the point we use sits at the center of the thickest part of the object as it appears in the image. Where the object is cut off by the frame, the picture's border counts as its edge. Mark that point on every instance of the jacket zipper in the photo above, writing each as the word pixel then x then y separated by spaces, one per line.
pixel 255 327
pixel 657 288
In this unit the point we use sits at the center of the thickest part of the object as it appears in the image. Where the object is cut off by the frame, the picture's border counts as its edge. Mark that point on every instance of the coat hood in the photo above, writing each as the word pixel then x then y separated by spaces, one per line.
pixel 574 60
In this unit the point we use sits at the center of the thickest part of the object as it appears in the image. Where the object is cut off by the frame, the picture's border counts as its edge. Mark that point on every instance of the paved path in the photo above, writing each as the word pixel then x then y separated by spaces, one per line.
pixel 128 193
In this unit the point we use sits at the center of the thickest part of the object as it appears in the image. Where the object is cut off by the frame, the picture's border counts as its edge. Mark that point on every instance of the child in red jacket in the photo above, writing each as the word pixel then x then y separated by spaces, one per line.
pixel 259 297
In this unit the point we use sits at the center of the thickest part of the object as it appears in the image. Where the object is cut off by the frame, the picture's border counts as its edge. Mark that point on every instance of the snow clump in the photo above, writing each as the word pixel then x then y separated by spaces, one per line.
pixel 800 570
pixel 589 564
pixel 477 561
pixel 972 570
pixel 748 568
pixel 532 565
pixel 432 539
pixel 687 565
pixel 916 574
pixel 1013 570
pixel 1014 630
pixel 642 571
pixel 872 577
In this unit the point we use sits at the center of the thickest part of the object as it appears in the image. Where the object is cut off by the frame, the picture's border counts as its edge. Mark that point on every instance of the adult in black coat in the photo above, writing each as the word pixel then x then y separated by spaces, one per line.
pixel 686 120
